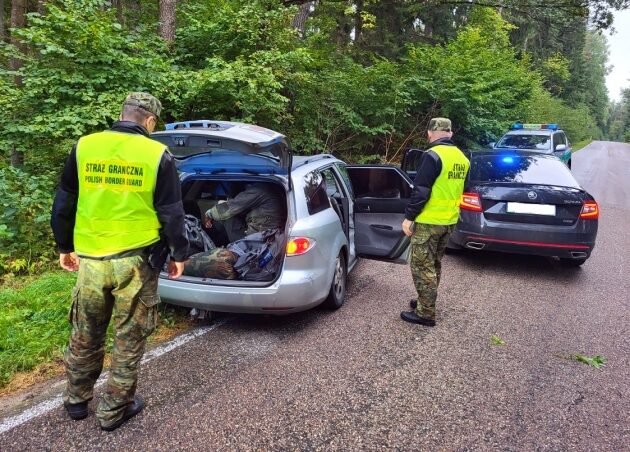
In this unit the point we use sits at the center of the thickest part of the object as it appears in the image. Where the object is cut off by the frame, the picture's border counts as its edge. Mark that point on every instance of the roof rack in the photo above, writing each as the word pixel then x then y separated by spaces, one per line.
pixel 313 158
pixel 200 124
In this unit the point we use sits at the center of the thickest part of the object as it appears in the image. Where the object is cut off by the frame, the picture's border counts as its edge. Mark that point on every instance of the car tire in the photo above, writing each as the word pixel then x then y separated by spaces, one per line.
pixel 337 295
pixel 571 263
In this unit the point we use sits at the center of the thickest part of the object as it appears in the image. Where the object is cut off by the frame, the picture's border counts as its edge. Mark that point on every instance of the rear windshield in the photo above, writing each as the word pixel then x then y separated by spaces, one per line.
pixel 540 142
pixel 521 168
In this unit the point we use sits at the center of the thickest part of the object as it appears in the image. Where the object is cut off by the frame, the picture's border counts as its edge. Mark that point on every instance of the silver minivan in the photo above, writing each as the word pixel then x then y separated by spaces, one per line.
pixel 335 213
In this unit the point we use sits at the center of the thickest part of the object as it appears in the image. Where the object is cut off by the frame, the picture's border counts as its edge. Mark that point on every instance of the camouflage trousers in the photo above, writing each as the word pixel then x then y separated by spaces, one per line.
pixel 125 291
pixel 428 244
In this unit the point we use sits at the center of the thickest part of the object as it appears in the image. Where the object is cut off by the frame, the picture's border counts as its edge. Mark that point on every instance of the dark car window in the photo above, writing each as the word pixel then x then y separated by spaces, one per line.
pixel 521 141
pixel 346 177
pixel 558 138
pixel 315 192
pixel 528 169
pixel 378 182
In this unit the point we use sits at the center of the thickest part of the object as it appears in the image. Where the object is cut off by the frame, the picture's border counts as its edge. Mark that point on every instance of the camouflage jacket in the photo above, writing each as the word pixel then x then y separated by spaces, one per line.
pixel 263 208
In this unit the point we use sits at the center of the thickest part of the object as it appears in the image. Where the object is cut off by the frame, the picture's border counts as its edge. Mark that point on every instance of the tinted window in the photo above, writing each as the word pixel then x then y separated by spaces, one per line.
pixel 541 142
pixel 346 177
pixel 558 138
pixel 412 159
pixel 315 192
pixel 516 168
pixel 379 183
pixel 332 185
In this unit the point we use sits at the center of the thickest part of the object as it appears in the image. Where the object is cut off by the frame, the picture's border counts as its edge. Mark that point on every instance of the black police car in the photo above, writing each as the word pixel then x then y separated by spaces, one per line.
pixel 526 202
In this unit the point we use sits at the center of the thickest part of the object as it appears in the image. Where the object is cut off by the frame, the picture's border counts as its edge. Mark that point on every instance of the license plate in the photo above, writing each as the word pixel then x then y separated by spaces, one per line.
pixel 533 209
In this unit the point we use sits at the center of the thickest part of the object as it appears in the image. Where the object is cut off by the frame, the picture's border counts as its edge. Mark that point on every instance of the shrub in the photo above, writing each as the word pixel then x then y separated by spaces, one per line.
pixel 26 240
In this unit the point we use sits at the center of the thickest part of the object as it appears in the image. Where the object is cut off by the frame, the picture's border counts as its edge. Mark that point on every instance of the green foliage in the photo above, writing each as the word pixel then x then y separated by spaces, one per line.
pixel 80 65
pixel 596 361
pixel 619 122
pixel 496 340
pixel 576 121
pixel 34 324
pixel 476 80
pixel 555 71
pixel 26 241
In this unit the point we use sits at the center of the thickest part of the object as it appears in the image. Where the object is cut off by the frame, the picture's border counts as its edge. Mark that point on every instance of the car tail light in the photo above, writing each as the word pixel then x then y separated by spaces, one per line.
pixel 470 201
pixel 590 211
pixel 299 245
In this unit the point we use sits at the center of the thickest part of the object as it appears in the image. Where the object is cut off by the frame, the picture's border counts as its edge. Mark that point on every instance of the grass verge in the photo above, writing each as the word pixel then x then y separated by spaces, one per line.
pixel 581 144
pixel 34 328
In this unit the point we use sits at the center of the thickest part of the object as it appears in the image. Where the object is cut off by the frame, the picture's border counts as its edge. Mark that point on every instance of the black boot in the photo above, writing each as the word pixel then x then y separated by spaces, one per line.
pixel 412 317
pixel 134 408
pixel 77 411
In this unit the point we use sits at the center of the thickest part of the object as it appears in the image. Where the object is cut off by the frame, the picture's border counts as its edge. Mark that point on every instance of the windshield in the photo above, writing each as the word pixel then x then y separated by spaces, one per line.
pixel 538 142
pixel 529 169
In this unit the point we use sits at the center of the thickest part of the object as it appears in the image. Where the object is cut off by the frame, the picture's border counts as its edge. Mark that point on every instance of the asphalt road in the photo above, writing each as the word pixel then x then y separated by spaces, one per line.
pixel 360 378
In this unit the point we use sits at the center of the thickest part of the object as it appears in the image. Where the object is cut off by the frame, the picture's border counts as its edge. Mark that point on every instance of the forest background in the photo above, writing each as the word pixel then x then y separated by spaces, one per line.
pixel 358 79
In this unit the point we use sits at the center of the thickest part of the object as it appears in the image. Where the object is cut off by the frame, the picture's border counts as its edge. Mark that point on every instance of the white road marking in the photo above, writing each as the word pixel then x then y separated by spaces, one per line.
pixel 55 402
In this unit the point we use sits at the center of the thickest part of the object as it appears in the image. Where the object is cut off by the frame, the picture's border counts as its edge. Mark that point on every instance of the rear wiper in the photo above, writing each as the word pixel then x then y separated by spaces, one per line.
pixel 217 171
pixel 248 171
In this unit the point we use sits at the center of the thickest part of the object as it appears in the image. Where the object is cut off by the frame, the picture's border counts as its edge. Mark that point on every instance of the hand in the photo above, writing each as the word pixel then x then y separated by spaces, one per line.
pixel 207 222
pixel 407 227
pixel 69 261
pixel 175 269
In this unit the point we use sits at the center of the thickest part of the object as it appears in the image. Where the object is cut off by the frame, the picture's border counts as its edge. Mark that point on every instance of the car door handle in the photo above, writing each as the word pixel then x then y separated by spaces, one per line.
pixel 382 226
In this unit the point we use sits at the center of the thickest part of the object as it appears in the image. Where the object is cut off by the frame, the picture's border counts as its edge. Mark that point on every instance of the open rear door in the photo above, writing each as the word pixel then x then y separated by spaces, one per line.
pixel 381 194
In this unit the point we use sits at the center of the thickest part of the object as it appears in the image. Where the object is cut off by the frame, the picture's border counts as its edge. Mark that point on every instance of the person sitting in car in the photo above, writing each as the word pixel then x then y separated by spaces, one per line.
pixel 256 208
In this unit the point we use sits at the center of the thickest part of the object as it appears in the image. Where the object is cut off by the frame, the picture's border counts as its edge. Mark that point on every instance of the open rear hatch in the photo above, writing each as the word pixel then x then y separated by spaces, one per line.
pixel 262 151
pixel 216 161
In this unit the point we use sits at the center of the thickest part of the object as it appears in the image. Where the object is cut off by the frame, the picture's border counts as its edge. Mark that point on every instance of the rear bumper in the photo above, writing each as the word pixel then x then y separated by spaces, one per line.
pixel 294 291
pixel 572 242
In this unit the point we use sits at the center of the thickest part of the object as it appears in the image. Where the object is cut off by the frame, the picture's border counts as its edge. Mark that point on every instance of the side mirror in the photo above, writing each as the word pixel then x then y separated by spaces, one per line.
pixel 492 144
pixel 561 147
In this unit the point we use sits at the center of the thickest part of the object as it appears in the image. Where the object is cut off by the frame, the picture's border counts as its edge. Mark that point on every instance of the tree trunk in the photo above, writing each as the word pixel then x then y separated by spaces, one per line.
pixel 3 30
pixel 166 28
pixel 18 20
pixel 358 21
pixel 299 20
pixel 120 10
pixel 40 8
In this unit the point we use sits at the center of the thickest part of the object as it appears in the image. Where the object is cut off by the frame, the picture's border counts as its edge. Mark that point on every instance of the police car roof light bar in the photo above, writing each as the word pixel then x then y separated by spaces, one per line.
pixel 520 126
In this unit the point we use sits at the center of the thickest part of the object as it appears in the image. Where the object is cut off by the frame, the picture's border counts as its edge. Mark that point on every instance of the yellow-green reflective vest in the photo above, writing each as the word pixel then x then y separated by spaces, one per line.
pixel 117 174
pixel 443 205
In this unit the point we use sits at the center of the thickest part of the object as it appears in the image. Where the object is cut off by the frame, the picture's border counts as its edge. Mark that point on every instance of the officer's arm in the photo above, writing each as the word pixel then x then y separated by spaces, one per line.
pixel 428 171
pixel 64 209
pixel 167 201
pixel 241 203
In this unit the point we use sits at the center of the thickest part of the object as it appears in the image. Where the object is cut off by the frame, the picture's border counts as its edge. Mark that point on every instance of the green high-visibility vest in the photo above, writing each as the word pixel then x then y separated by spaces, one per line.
pixel 443 205
pixel 117 175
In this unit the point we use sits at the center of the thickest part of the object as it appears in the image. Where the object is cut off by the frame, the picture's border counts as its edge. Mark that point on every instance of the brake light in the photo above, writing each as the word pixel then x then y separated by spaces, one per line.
pixel 299 245
pixel 470 201
pixel 590 211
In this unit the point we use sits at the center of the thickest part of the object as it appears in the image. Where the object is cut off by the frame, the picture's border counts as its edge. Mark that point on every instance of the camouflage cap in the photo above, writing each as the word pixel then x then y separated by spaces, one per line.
pixel 145 101
pixel 443 124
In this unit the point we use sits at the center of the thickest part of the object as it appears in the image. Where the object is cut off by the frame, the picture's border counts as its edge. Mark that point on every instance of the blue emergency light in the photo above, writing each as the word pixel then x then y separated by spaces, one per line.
pixel 508 159
pixel 521 126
